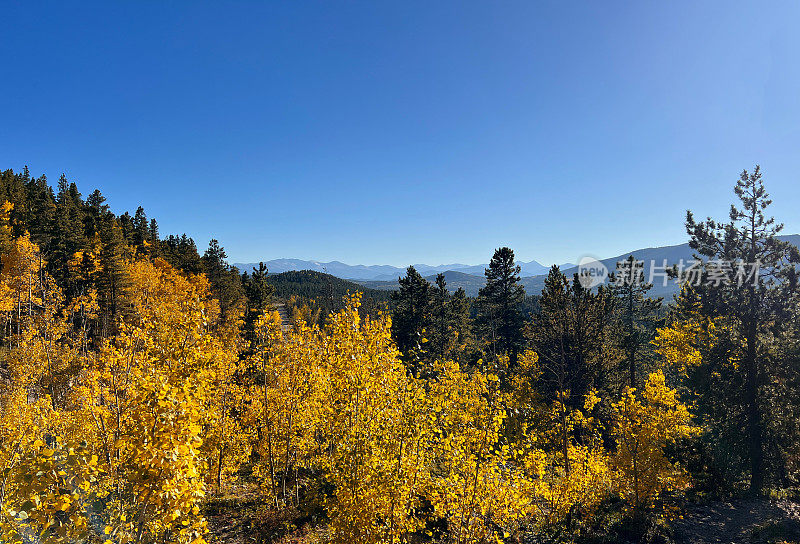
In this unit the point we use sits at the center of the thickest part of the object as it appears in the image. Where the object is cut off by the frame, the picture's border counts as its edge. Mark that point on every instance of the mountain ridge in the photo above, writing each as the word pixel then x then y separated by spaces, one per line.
pixel 382 272
pixel 472 281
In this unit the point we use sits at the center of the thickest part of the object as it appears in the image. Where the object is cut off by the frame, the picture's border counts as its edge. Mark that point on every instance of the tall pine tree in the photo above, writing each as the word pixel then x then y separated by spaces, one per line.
pixel 752 306
pixel 411 314
pixel 500 317
pixel 226 283
pixel 638 317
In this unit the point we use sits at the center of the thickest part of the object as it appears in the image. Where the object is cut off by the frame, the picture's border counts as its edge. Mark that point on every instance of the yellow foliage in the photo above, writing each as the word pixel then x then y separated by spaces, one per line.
pixel 678 343
pixel 566 460
pixel 145 421
pixel 473 483
pixel 341 403
pixel 283 402
pixel 643 427
pixel 147 394
pixel 135 403
pixel 46 492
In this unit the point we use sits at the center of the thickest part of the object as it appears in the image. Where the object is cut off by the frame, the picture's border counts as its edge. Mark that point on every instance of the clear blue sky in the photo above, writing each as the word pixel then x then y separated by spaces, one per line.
pixel 398 132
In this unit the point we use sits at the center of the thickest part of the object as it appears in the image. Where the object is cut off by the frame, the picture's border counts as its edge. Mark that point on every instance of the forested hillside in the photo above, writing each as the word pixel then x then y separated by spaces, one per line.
pixel 151 394
pixel 314 295
pixel 86 245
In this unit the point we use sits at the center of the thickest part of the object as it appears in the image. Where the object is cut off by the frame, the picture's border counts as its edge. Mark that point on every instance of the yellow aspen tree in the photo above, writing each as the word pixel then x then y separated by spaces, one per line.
pixel 371 424
pixel 643 427
pixel 475 485
pixel 85 268
pixel 226 440
pixel 43 358
pixel 577 477
pixel 6 244
pixel 21 275
pixel 6 232
pixel 560 449
pixel 47 478
pixel 679 344
pixel 283 399
pixel 144 397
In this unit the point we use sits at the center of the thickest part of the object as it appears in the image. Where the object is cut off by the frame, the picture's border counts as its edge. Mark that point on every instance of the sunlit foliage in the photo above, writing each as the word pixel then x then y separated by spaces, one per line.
pixel 121 438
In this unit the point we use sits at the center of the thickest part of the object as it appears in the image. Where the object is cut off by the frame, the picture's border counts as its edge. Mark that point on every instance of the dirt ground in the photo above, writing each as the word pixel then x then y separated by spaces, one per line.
pixel 243 521
pixel 740 522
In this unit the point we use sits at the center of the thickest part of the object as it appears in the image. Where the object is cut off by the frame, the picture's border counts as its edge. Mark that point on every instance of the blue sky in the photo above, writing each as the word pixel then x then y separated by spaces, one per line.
pixel 399 132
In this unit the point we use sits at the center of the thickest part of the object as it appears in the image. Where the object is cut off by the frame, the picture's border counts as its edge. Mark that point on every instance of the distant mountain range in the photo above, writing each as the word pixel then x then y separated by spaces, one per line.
pixel 471 278
pixel 382 272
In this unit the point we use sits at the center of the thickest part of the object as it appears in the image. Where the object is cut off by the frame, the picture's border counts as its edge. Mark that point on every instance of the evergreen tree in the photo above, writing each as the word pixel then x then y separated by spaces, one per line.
pixel 460 314
pixel 450 335
pixel 39 213
pixel 141 228
pixel 259 292
pixel 155 239
pixel 66 232
pixel 95 208
pixel 442 334
pixel 181 252
pixel 113 278
pixel 411 313
pixel 783 402
pixel 125 222
pixel 639 316
pixel 569 336
pixel 752 306
pixel 226 283
pixel 500 318
pixel 13 186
